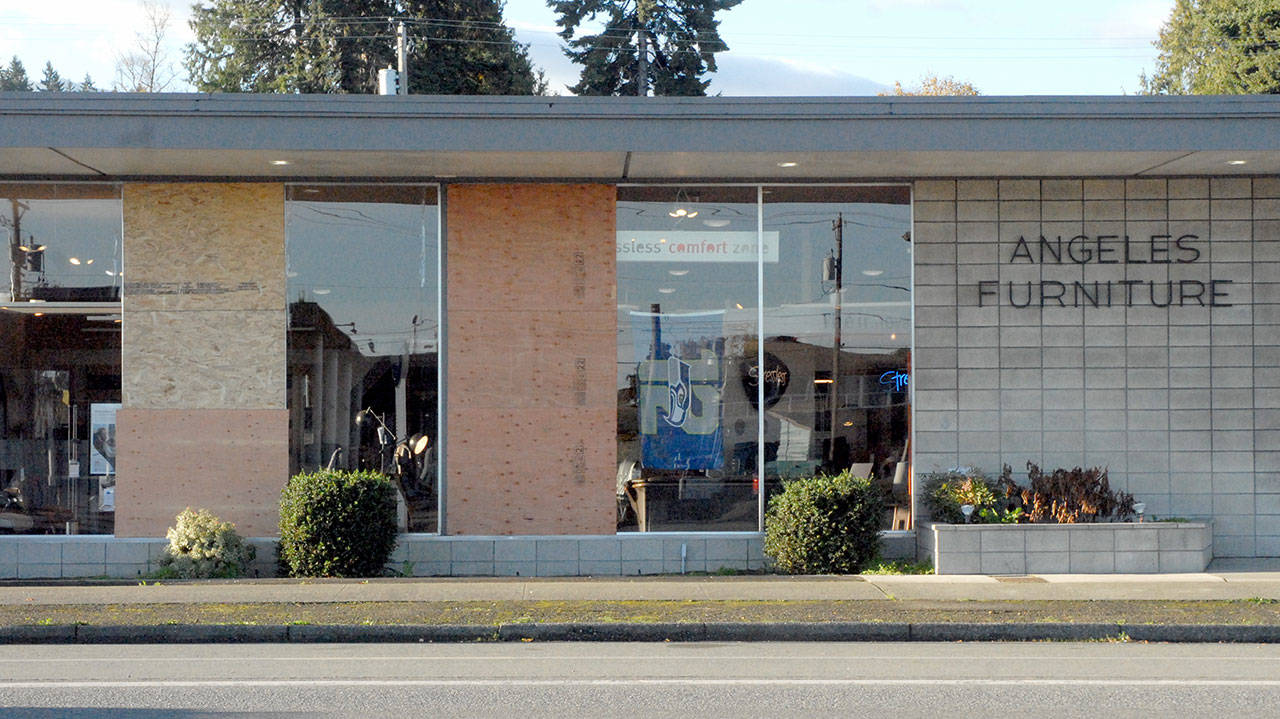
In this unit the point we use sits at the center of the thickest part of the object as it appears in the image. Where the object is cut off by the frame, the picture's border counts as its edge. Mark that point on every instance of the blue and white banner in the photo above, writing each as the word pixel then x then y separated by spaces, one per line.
pixel 680 359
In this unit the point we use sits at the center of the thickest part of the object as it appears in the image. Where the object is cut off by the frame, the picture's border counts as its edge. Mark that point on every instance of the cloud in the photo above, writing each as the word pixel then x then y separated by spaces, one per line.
pixel 746 75
pixel 1143 18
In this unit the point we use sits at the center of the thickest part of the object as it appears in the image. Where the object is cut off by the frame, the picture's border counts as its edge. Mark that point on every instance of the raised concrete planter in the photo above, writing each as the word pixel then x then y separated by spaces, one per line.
pixel 1108 548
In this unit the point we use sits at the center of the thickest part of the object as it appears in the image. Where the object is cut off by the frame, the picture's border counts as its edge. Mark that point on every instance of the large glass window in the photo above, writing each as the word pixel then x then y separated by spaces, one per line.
pixel 363 288
pixel 838 327
pixel 687 334
pixel 60 368
pixel 759 325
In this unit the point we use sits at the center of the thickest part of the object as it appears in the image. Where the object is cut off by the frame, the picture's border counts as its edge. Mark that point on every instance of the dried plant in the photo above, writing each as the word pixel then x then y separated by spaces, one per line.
pixel 1067 496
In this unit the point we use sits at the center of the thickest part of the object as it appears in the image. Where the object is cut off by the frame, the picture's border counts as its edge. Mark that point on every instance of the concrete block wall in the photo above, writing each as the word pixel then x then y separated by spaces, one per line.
pixel 1181 403
pixel 421 555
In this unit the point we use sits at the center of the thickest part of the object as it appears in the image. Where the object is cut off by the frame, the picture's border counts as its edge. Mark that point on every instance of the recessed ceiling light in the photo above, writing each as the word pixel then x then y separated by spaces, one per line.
pixel 666 290
pixel 322 291
pixel 73 260
pixel 662 240
pixel 715 223
pixel 1237 162
pixel 788 163
pixel 873 273
pixel 738 305
pixel 677 273
pixel 279 162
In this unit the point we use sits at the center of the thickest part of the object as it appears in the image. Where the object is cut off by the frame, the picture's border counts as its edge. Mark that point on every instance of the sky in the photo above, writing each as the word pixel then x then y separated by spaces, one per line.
pixel 777 47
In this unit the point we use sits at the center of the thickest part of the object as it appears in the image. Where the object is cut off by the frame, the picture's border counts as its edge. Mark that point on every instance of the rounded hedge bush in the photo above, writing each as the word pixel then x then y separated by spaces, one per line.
pixel 824 525
pixel 201 546
pixel 337 524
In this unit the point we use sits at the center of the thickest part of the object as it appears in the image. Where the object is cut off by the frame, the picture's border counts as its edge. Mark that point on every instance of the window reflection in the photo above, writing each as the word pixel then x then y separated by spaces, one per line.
pixel 687 322
pixel 64 242
pixel 60 368
pixel 838 322
pixel 830 365
pixel 363 336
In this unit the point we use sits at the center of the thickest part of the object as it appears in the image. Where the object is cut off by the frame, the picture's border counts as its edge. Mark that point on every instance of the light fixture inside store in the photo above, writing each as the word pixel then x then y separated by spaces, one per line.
pixel 787 163
pixel 1237 162
pixel 824 380
pixel 873 273
pixel 34 248
pixel 738 305
pixel 677 273
pixel 76 261
pixel 716 223
pixel 666 290
pixel 322 291
pixel 681 211
pixel 279 163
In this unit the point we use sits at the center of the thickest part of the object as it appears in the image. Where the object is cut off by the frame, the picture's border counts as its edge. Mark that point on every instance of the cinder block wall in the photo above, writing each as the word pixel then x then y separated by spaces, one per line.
pixel 532 332
pixel 1182 403
pixel 203 422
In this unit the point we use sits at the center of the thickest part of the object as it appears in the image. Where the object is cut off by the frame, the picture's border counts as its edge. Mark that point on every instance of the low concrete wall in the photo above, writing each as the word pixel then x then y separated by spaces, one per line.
pixel 1108 548
pixel 421 555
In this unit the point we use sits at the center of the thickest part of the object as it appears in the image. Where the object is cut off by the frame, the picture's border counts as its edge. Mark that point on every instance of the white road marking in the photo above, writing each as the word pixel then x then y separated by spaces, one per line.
pixel 260 683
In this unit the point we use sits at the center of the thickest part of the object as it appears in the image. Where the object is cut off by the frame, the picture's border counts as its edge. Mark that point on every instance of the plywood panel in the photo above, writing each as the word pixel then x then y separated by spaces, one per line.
pixel 232 462
pixel 531 349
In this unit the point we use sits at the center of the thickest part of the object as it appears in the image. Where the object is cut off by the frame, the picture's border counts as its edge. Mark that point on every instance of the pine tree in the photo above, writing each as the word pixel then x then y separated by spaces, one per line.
pixel 87 85
pixel 52 82
pixel 14 77
pixel 1216 47
pixel 338 46
pixel 679 38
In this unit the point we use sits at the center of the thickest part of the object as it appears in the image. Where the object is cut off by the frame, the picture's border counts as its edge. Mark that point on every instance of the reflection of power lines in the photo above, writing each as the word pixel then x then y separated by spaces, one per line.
pixel 353 218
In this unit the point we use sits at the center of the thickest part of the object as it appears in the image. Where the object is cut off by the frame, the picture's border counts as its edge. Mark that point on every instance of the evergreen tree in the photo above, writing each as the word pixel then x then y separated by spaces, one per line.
pixel 87 85
pixel 14 77
pixel 668 45
pixel 1218 47
pixel 338 46
pixel 52 82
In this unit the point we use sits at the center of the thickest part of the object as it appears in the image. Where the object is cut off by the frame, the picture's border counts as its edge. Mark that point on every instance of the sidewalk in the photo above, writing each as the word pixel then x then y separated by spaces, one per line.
pixel 932 597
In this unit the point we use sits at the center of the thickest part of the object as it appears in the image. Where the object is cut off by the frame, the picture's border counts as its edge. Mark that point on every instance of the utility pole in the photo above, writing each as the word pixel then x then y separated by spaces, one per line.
pixel 402 58
pixel 642 43
pixel 16 256
pixel 837 225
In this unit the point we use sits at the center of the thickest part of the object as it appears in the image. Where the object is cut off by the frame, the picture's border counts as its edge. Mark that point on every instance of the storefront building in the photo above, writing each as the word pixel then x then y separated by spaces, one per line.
pixel 605 330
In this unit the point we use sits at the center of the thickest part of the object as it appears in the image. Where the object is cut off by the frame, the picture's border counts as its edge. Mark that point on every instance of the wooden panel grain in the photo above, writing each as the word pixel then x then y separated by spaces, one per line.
pixel 531 413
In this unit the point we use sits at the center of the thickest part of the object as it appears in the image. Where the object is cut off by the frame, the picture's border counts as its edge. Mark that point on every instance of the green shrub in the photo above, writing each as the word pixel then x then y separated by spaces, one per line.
pixel 824 525
pixel 201 546
pixel 337 524
pixel 944 492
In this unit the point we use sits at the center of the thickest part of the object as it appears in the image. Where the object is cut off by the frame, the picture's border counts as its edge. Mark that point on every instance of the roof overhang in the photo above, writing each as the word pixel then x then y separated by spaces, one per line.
pixel 89 135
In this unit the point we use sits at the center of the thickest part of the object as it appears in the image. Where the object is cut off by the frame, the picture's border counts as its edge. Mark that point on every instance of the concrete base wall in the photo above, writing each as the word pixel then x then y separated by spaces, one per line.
pixel 1120 548
pixel 41 557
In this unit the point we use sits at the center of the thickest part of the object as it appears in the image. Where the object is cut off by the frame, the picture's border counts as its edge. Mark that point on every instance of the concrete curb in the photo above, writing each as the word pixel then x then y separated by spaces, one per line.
pixel 624 632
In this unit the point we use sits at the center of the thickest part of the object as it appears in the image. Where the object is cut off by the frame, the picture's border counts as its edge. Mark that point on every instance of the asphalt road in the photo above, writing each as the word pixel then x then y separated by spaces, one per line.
pixel 639 679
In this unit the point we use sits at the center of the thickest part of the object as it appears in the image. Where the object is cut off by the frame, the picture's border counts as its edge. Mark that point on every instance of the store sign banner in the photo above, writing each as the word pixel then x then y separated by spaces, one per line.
pixel 694 246
pixel 679 359
pixel 1105 261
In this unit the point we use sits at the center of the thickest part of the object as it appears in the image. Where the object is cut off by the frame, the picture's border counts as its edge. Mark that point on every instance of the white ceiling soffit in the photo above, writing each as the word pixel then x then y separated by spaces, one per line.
pixel 260 163
pixel 639 167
